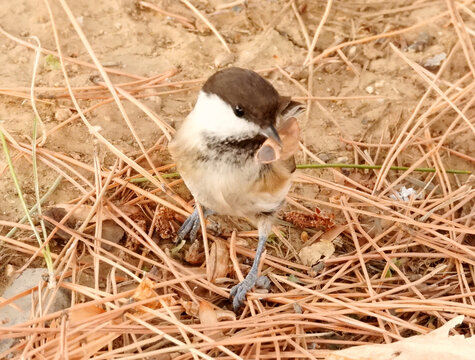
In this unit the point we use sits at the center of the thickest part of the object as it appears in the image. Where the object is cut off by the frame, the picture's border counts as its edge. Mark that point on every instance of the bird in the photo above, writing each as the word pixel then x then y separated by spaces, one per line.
pixel 217 153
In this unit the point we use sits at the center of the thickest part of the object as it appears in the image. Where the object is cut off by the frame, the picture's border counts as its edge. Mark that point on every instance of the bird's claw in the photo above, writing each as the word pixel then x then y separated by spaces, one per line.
pixel 239 291
pixel 190 226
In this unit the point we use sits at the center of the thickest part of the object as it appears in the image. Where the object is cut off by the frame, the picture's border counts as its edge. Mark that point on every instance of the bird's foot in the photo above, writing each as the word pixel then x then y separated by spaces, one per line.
pixel 239 291
pixel 190 226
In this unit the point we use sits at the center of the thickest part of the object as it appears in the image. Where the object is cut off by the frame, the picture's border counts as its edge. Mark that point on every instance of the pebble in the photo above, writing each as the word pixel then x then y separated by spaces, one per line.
pixel 11 316
pixel 332 68
pixel 155 98
pixel 223 59
pixel 324 157
pixel 63 114
pixel 369 89
pixel 352 51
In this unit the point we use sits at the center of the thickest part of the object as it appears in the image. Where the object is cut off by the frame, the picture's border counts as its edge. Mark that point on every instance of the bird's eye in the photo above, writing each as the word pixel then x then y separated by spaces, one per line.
pixel 238 111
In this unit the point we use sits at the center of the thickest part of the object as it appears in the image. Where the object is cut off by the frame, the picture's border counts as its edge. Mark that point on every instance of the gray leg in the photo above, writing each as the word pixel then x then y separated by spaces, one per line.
pixel 239 291
pixel 192 225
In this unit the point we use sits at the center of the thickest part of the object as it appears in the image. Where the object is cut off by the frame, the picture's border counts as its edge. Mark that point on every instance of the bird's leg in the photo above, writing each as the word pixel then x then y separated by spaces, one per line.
pixel 192 225
pixel 239 291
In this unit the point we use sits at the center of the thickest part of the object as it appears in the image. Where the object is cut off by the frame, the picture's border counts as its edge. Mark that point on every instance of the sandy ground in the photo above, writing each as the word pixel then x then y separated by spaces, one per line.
pixel 143 42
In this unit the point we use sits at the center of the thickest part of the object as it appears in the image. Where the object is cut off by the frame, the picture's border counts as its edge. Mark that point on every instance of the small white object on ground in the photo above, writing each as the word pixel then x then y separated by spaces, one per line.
pixel 405 194
pixel 436 60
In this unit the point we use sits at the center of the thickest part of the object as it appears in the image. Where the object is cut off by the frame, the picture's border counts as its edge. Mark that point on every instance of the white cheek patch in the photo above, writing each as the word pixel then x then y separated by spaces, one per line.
pixel 215 117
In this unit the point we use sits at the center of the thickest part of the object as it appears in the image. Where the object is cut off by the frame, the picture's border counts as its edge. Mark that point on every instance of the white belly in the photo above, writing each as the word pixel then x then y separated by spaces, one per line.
pixel 229 189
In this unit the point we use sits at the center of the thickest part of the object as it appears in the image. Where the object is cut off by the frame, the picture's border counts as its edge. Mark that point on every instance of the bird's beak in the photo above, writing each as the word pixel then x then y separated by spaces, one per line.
pixel 271 132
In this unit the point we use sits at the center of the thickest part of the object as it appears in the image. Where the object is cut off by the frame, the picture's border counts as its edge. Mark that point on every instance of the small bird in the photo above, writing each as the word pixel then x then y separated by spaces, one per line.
pixel 216 152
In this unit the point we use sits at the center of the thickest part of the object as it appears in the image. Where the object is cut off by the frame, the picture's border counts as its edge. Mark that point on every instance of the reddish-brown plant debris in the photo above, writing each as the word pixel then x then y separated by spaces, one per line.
pixel 312 221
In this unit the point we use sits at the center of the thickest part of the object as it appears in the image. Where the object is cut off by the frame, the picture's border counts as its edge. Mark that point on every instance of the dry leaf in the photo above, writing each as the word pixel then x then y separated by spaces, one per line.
pixel 86 347
pixel 219 261
pixel 435 345
pixel 311 255
pixel 225 315
pixel 268 152
pixel 271 151
pixel 145 291
pixel 194 255
pixel 208 316
pixel 289 133
pixel 190 307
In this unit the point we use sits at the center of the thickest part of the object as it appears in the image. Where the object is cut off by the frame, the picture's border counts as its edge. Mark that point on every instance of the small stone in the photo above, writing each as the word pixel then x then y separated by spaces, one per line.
pixel 379 84
pixel 118 25
pixel 10 316
pixel 75 155
pixel 112 232
pixel 297 308
pixel 298 72
pixel 317 268
pixel 332 68
pixel 324 157
pixel 423 40
pixel 9 270
pixel 369 89
pixel 63 114
pixel 155 98
pixel 435 61
pixel 342 160
pixel 223 59
pixel 352 51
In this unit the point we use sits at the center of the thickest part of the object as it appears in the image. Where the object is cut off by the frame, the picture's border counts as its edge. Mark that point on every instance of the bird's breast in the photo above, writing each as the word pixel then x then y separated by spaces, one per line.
pixel 224 176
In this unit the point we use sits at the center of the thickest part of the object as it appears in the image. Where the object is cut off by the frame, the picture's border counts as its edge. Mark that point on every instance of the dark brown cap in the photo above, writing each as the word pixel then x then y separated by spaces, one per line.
pixel 250 95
